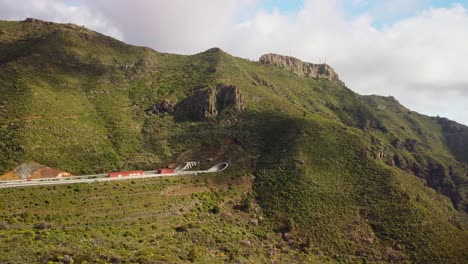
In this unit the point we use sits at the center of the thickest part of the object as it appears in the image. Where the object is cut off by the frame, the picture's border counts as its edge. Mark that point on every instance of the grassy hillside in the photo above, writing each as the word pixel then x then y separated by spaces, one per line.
pixel 322 189
pixel 146 221
pixel 338 176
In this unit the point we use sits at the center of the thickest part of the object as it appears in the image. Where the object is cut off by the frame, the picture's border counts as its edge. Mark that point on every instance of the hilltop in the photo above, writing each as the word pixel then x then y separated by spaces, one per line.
pixel 337 176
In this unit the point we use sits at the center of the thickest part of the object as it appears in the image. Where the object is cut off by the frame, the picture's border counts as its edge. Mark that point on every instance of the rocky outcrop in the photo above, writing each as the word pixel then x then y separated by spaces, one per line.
pixel 229 96
pixel 31 20
pixel 206 104
pixel 35 21
pixel 408 144
pixel 74 27
pixel 213 50
pixel 199 106
pixel 436 175
pixel 373 123
pixel 296 66
pixel 165 106
pixel 456 137
pixel 260 81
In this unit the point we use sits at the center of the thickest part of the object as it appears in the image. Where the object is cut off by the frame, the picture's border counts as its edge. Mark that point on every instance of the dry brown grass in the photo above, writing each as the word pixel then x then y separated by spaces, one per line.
pixel 11 175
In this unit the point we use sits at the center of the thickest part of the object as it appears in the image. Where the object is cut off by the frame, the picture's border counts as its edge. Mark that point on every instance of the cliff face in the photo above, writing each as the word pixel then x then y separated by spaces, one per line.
pixel 456 137
pixel 206 104
pixel 296 66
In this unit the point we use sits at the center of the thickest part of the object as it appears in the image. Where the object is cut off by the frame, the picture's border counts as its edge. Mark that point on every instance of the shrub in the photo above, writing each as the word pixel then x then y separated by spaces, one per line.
pixel 43 225
pixel 215 209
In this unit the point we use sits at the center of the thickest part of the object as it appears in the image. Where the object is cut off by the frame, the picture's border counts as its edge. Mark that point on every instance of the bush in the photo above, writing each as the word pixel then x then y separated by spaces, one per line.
pixel 181 229
pixel 215 209
pixel 43 225
pixel 193 254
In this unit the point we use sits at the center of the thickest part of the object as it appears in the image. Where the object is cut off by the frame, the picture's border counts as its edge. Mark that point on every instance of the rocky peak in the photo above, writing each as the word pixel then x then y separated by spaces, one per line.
pixel 36 21
pixel 296 66
pixel 214 50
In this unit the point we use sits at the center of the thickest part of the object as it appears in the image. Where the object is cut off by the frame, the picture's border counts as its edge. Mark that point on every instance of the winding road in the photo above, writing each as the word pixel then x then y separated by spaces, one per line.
pixel 102 178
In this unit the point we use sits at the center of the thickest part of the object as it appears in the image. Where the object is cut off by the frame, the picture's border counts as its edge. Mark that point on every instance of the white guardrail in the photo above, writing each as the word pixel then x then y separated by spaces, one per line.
pixel 103 177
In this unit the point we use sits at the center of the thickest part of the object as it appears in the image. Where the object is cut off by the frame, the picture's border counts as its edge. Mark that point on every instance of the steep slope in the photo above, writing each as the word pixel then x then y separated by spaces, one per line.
pixel 337 174
pixel 74 99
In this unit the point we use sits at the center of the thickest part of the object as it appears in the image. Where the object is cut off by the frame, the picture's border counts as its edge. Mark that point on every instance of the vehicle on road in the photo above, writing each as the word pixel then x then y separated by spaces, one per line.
pixel 125 173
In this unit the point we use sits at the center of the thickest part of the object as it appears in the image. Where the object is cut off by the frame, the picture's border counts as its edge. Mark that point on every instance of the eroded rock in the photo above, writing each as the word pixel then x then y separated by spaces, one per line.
pixel 229 96
pixel 31 20
pixel 206 104
pixel 165 106
pixel 408 144
pixel 296 66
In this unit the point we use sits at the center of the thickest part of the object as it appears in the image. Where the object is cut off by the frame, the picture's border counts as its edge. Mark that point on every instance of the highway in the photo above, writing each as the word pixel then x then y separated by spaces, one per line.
pixel 101 178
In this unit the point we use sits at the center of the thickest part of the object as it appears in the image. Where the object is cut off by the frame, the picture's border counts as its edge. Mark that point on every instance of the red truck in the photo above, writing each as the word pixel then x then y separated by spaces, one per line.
pixel 125 173
pixel 165 171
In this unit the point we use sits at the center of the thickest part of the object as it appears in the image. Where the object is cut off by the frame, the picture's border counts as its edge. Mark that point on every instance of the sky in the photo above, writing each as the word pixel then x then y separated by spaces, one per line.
pixel 414 50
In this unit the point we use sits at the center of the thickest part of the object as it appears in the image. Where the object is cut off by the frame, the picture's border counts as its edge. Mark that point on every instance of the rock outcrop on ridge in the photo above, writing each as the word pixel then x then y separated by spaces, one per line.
pixel 296 66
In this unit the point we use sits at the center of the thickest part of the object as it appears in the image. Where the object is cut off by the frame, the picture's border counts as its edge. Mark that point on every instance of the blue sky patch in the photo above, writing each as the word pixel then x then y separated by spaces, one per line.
pixel 284 6
pixel 383 12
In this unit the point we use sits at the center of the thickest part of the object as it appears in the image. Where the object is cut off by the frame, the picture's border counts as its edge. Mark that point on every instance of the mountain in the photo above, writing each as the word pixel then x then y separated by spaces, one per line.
pixel 337 176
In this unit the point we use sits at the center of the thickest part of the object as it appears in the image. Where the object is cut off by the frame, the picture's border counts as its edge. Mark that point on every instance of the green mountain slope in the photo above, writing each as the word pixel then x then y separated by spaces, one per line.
pixel 338 176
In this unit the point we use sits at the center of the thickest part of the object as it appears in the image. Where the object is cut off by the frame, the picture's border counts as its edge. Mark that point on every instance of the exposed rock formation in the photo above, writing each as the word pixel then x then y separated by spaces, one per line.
pixel 263 82
pixel 36 21
pixel 229 96
pixel 212 50
pixel 206 104
pixel 456 137
pixel 165 106
pixel 74 27
pixel 436 175
pixel 199 106
pixel 373 123
pixel 408 144
pixel 296 66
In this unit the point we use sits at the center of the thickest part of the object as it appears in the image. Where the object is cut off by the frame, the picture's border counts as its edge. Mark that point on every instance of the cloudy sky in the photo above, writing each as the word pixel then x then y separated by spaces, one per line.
pixel 415 50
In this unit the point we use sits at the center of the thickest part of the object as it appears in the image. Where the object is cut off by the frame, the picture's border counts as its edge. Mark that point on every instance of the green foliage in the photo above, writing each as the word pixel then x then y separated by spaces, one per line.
pixel 322 186
pixel 134 223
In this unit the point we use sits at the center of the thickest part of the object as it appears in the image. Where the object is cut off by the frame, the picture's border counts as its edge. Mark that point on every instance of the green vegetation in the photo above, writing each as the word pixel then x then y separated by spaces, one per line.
pixel 144 221
pixel 347 205
pixel 338 177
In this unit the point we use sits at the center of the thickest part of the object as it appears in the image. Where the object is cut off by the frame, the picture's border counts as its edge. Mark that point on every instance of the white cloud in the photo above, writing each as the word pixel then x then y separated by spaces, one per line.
pixel 418 59
pixel 395 8
pixel 57 11
pixel 174 26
